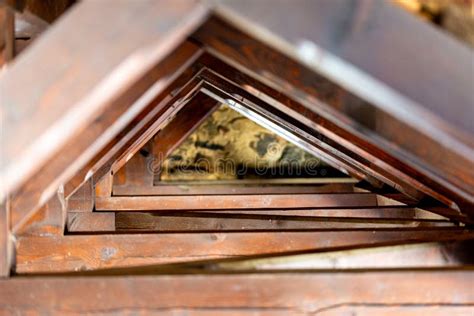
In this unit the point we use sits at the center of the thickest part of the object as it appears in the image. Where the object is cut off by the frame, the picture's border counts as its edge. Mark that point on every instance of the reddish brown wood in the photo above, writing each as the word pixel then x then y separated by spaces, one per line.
pixel 83 199
pixel 207 202
pixel 228 189
pixel 199 221
pixel 285 293
pixel 442 168
pixel 76 80
pixel 82 252
pixel 79 222
pixel 147 122
pixel 49 220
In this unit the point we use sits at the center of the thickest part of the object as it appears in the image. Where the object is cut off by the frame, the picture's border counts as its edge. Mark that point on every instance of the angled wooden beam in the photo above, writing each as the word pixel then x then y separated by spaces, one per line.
pixel 76 153
pixel 52 107
pixel 331 128
pixel 83 252
pixel 147 121
pixel 444 167
pixel 177 128
pixel 345 33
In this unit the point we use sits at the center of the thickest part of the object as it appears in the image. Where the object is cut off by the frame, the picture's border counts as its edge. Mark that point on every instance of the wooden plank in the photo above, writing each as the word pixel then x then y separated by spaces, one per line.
pixel 286 293
pixel 83 252
pixel 84 82
pixel 215 222
pixel 442 168
pixel 346 32
pixel 387 212
pixel 308 137
pixel 83 146
pixel 141 170
pixel 344 142
pixel 348 136
pixel 184 189
pixel 79 222
pixel 207 202
pixel 148 121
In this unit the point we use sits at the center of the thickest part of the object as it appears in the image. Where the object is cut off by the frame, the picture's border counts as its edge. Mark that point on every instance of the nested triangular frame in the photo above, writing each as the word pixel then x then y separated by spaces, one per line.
pixel 210 77
pixel 202 70
pixel 402 180
pixel 282 64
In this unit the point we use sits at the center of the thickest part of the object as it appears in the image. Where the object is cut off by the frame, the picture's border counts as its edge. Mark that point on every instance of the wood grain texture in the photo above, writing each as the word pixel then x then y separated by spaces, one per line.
pixel 69 74
pixel 214 222
pixel 82 252
pixel 443 167
pixel 281 293
pixel 207 202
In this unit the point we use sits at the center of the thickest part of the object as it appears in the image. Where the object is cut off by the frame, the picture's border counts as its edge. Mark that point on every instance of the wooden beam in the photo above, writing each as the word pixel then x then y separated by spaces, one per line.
pixel 148 121
pixel 344 33
pixel 213 222
pixel 48 115
pixel 82 252
pixel 83 146
pixel 79 222
pixel 438 292
pixel 443 167
pixel 184 189
pixel 215 202
pixel 402 177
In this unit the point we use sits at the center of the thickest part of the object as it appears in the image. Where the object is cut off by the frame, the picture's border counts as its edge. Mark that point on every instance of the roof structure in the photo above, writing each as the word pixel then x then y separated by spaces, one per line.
pixel 345 80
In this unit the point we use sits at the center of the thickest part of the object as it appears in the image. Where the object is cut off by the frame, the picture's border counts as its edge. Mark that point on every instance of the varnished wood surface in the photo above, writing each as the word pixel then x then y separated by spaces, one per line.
pixel 83 252
pixel 203 202
pixel 281 293
pixel 438 162
pixel 64 70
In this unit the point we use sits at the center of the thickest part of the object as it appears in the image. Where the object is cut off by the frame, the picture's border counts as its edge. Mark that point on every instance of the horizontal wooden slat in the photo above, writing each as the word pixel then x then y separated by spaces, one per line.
pixel 201 202
pixel 268 294
pixel 393 212
pixel 199 221
pixel 82 252
pixel 186 189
